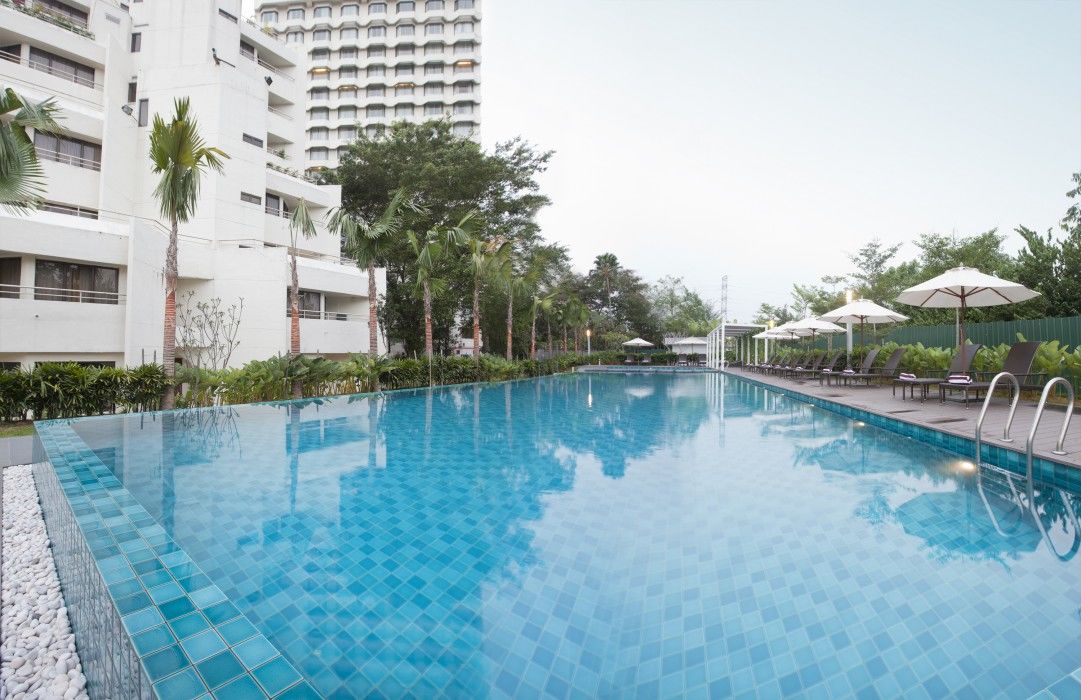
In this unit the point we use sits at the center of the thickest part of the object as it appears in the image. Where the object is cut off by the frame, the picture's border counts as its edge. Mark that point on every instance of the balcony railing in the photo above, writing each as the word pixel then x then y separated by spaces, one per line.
pixel 280 113
pixel 275 70
pixel 14 291
pixel 77 161
pixel 74 25
pixel 45 68
pixel 328 315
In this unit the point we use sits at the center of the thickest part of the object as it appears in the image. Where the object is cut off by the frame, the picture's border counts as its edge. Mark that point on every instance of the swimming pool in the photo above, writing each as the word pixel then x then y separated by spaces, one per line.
pixel 587 536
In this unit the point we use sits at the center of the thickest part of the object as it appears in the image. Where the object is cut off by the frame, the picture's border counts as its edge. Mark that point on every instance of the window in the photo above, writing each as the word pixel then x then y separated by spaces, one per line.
pixel 349 112
pixel 227 15
pixel 320 93
pixel 10 275
pixel 465 47
pixel 348 52
pixel 374 130
pixel 294 37
pixel 349 33
pixel 144 112
pixel 463 108
pixel 253 140
pixel 377 51
pixel 347 93
pixel 403 111
pixel 434 49
pixel 136 42
pixel 347 133
pixel 433 89
pixel 376 111
pixel 408 6
pixel 55 280
pixel 374 32
pixel 322 12
pixel 133 89
pixel 81 212
pixel 377 8
pixel 55 7
pixel 322 73
pixel 433 69
pixel 318 154
pixel 250 198
pixel 463 88
pixel 463 67
pixel 404 69
pixel 347 72
pixel 375 91
pixel 269 17
pixel 433 109
pixel 273 204
pixel 376 71
pixel 431 5
pixel 321 35
pixel 318 113
pixel 403 89
pixel 318 133
pixel 463 4
pixel 310 304
pixel 63 67
pixel 350 10
pixel 64 149
pixel 320 54
pixel 405 50
pixel 247 50
pixel 405 30
pixel 463 129
pixel 433 29
pixel 295 13
pixel 463 27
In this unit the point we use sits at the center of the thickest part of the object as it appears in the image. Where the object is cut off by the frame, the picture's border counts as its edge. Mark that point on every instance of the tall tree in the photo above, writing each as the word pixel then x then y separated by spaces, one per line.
pixel 483 257
pixel 369 243
pixel 429 250
pixel 22 179
pixel 180 156
pixel 872 261
pixel 606 269
pixel 300 226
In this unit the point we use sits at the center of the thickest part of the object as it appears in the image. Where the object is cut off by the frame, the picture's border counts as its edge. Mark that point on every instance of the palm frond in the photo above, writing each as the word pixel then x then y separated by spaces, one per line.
pixel 300 222
pixel 22 179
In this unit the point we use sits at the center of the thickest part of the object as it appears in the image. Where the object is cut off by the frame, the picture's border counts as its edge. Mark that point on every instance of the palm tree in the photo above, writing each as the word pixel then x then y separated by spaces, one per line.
pixel 22 179
pixel 300 225
pixel 605 270
pixel 427 250
pixel 179 154
pixel 541 302
pixel 484 258
pixel 367 243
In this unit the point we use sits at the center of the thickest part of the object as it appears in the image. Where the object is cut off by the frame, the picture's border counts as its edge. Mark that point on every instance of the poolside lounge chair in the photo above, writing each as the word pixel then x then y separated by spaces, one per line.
pixel 812 363
pixel 865 368
pixel 629 360
pixel 647 360
pixel 827 366
pixel 1018 363
pixel 958 368
pixel 887 371
pixel 681 360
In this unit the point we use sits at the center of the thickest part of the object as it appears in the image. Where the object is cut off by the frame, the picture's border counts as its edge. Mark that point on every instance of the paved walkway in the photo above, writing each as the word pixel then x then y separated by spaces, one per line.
pixel 950 417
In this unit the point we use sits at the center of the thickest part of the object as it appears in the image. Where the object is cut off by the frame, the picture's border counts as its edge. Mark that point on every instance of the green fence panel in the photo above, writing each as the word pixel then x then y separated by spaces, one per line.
pixel 1065 330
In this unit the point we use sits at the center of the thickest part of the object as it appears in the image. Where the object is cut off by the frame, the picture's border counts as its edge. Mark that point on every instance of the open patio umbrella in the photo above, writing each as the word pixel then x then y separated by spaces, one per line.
pixel 962 288
pixel 638 343
pixel 811 326
pixel 863 311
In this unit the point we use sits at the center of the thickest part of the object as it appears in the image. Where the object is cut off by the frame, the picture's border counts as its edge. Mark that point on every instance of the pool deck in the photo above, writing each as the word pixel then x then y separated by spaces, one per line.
pixel 951 417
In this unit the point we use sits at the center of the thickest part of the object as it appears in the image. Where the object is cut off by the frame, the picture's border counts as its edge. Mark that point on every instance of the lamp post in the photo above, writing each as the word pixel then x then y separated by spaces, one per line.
pixel 589 345
pixel 848 333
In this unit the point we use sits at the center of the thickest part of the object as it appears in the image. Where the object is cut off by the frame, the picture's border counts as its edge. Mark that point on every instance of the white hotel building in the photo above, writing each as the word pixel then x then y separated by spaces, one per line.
pixel 373 62
pixel 81 280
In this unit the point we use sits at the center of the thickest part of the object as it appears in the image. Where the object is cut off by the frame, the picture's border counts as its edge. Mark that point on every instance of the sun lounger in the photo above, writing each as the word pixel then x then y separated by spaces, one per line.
pixel 887 371
pixel 812 364
pixel 1018 362
pixel 959 367
pixel 827 366
pixel 865 368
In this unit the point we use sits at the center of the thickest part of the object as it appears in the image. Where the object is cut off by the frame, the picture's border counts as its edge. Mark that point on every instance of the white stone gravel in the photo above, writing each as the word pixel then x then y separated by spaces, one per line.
pixel 37 648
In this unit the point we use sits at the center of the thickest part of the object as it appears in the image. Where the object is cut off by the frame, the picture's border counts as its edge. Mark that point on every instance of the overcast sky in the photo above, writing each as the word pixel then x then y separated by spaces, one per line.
pixel 767 140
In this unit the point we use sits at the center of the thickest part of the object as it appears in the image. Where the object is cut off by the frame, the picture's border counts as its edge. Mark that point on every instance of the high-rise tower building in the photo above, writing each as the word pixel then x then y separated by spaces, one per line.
pixel 369 63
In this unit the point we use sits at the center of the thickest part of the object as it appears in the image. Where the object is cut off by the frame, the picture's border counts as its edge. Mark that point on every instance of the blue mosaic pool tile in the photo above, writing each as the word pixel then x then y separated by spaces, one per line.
pixel 243 688
pixel 184 685
pixel 188 625
pixel 220 668
pixel 203 646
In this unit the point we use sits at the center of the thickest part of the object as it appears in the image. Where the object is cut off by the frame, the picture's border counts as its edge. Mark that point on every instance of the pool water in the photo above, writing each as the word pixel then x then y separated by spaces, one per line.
pixel 610 536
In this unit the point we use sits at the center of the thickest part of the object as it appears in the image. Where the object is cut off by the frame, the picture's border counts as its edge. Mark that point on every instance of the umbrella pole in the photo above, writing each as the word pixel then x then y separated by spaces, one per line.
pixel 961 321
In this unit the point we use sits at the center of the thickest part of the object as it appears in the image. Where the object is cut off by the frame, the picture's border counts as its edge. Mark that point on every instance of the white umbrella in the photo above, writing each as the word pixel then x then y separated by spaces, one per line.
pixel 863 311
pixel 689 341
pixel 813 325
pixel 964 287
pixel 638 343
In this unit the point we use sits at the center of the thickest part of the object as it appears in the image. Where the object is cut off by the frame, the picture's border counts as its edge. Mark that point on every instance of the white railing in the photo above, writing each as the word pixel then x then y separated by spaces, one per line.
pixel 68 159
pixel 44 68
pixel 14 291
pixel 328 315
pixel 280 113
pixel 275 70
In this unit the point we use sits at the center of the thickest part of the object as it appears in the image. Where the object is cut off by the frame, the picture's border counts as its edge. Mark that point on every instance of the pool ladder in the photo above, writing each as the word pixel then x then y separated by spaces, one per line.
pixel 1029 444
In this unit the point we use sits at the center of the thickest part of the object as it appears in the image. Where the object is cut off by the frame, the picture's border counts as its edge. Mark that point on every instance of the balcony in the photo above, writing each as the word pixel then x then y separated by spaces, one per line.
pixel 64 75
pixel 326 336
pixel 74 25
pixel 62 320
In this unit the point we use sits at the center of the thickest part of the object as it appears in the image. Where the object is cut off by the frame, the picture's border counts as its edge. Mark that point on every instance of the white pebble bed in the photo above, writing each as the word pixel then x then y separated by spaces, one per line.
pixel 37 648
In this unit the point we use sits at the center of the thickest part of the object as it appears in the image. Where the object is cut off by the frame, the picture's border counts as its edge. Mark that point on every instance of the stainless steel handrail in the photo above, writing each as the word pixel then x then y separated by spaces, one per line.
pixel 1036 423
pixel 85 296
pixel 983 412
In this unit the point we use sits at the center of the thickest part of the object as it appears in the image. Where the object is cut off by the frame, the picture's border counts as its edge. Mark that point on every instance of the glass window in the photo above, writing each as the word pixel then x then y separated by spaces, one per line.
pixel 347 112
pixel 63 281
pixel 136 42
pixel 433 89
pixel 434 49
pixel 253 140
pixel 433 109
pixel 347 72
pixel 376 71
pixel 405 50
pixel 67 209
pixel 58 65
pixel 375 91
pixel 375 111
pixel 347 93
pixel 64 149
pixel 463 108
pixel 318 153
pixel 465 47
pixel 403 89
pixel 463 4
pixel 433 69
pixel 463 27
pixel 375 32
pixel 374 130
pixel 463 67
pixel 321 35
pixel 321 54
pixel 347 133
pixel 433 29
pixel 247 50
pixel 463 88
pixel 318 133
pixel 463 129
pixel 349 33
pixel 350 10
pixel 295 13
pixel 294 37
pixel 348 52
pixel 269 17
pixel 322 12
pixel 318 113
pixel 133 90
pixel 377 8
pixel 144 112
pixel 377 51
pixel 403 111
pixel 250 198
pixel 320 93
pixel 431 5
pixel 407 6
pixel 310 303
pixel 10 274
pixel 405 30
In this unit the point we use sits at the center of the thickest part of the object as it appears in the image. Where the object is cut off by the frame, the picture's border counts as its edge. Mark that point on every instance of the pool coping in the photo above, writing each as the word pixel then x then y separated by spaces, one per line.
pixel 147 619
